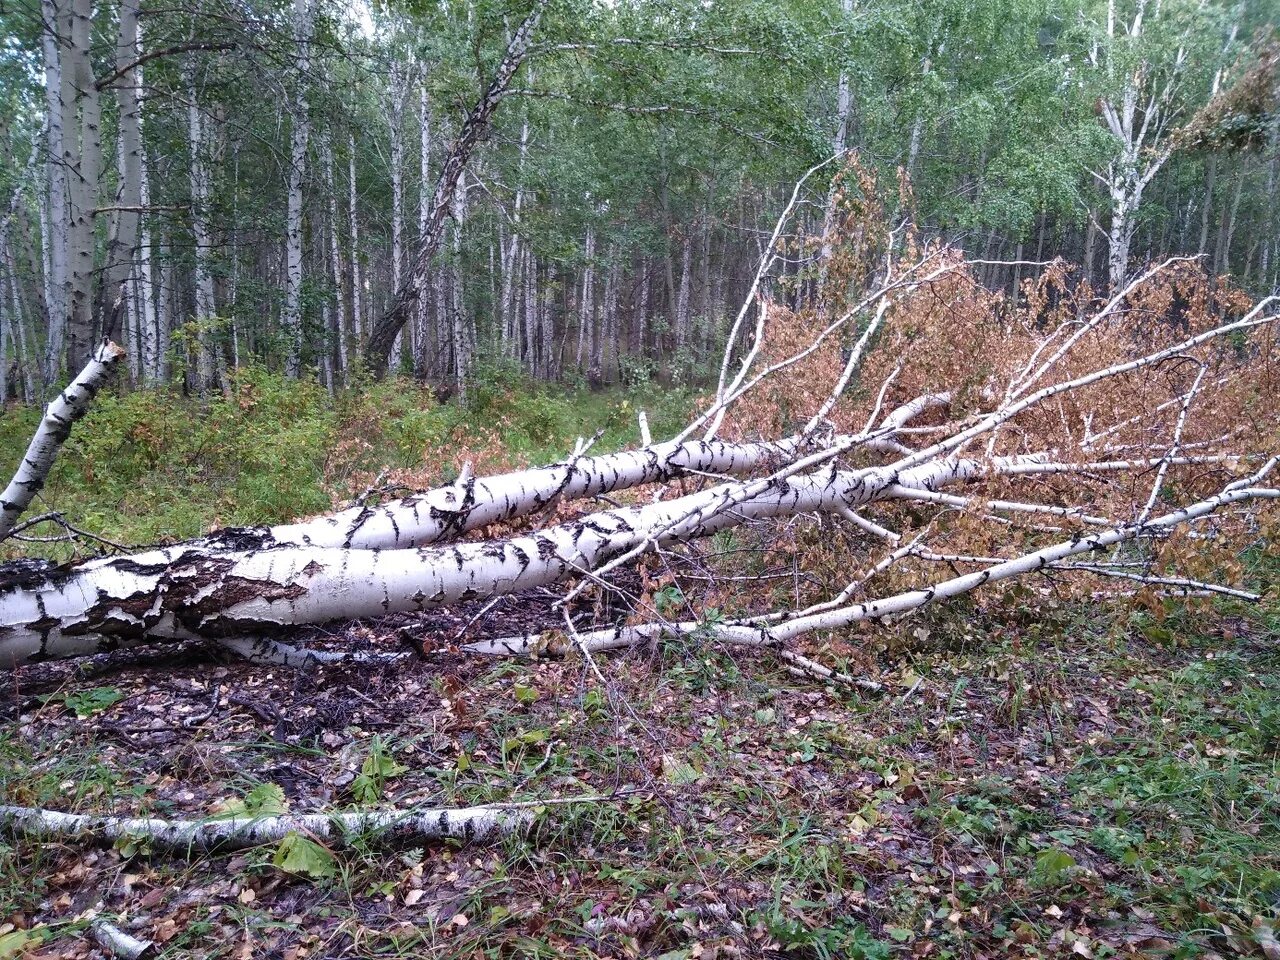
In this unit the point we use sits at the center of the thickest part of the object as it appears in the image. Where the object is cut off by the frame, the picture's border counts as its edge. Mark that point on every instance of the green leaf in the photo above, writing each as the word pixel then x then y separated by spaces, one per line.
pixel 526 696
pixel 1053 863
pixel 86 703
pixel 266 799
pixel 17 942
pixel 594 703
pixel 300 856
pixel 130 846
pixel 678 772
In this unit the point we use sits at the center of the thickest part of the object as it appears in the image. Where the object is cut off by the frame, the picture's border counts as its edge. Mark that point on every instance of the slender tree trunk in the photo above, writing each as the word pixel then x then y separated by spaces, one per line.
pixel 587 307
pixel 357 291
pixel 335 258
pixel 642 312
pixel 424 338
pixel 122 244
pixel 300 133
pixel 1210 175
pixel 206 308
pixel 463 336
pixel 56 17
pixel 682 301
pixel 85 165
pixel 397 93
pixel 1222 255
pixel 529 309
pixel 473 129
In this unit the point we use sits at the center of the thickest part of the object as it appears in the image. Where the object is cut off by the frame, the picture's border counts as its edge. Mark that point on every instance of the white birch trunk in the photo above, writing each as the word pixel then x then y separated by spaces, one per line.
pixel 61 414
pixel 85 166
pixel 122 246
pixel 206 307
pixel 444 823
pixel 299 135
pixel 424 340
pixel 55 15
pixel 335 259
pixel 397 94
pixel 357 291
pixel 463 339
pixel 682 300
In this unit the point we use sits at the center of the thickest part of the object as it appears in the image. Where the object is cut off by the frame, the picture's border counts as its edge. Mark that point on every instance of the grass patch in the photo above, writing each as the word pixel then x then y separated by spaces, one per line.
pixel 153 465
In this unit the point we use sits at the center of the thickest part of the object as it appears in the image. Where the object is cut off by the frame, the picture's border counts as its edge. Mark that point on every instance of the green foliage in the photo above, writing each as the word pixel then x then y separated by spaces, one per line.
pixel 263 800
pixel 86 703
pixel 304 857
pixel 378 767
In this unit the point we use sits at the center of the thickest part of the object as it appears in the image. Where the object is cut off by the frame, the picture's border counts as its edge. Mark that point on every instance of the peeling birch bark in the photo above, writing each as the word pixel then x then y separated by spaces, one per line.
pixel 120 944
pixel 65 409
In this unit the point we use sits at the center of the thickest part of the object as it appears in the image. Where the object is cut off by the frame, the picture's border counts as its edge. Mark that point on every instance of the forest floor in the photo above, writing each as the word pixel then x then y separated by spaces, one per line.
pixel 1071 787
pixel 1038 784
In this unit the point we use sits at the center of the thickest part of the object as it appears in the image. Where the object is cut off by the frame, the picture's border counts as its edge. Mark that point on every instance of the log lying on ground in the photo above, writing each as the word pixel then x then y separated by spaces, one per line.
pixel 61 414
pixel 448 512
pixel 240 586
pixel 386 826
pixel 190 591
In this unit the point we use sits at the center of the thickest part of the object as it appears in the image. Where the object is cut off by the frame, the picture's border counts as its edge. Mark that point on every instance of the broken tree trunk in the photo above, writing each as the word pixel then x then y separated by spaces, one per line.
pixel 68 407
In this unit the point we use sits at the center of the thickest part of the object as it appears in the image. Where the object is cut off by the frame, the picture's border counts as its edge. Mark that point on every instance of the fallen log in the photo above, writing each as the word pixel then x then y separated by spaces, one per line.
pixel 465 824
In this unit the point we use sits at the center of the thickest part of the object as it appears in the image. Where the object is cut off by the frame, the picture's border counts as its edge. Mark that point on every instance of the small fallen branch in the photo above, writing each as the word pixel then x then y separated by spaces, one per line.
pixel 267 651
pixel 120 944
pixel 387 826
pixel 68 407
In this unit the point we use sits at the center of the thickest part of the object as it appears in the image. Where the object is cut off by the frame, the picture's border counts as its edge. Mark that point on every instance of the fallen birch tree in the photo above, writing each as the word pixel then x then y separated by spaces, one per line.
pixel 933 412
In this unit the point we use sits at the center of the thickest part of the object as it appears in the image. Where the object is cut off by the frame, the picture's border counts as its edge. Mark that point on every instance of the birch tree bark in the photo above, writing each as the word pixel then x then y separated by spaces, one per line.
pixel 395 118
pixel 299 135
pixel 123 238
pixel 84 162
pixel 61 414
pixel 56 25
pixel 357 288
pixel 1138 118
pixel 206 307
pixel 424 337
pixel 341 332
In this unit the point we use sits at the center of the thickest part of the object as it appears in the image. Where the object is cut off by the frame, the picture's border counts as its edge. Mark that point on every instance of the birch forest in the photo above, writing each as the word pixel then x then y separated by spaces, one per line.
pixel 565 478
pixel 288 184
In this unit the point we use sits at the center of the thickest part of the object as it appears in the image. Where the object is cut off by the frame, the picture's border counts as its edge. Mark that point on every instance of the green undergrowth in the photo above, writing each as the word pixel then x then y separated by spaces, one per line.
pixel 151 465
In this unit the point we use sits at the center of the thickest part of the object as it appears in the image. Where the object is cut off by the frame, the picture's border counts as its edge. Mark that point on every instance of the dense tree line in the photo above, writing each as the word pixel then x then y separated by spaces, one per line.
pixel 286 182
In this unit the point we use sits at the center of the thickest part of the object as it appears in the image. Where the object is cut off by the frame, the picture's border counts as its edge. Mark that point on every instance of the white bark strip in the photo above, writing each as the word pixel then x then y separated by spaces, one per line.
pixel 68 407
pixel 388 826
